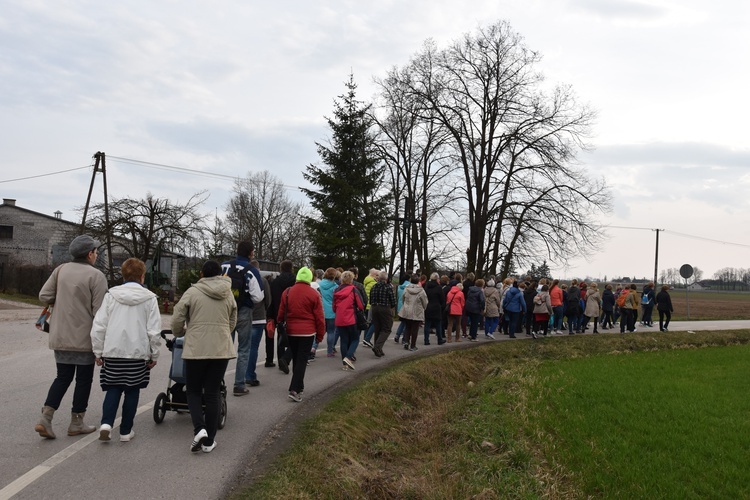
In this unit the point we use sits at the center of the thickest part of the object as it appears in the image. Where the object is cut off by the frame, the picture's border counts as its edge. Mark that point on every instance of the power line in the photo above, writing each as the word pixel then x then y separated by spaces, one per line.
pixel 684 235
pixel 172 168
pixel 707 239
pixel 44 175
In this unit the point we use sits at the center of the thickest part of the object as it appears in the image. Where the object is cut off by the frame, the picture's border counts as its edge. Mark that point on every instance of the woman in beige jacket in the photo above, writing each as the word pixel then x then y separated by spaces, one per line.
pixel 593 307
pixel 210 312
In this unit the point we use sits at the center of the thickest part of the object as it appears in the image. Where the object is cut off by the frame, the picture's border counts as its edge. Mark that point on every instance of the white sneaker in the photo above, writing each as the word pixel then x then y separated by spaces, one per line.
pixel 104 432
pixel 210 448
pixel 490 336
pixel 127 437
pixel 198 440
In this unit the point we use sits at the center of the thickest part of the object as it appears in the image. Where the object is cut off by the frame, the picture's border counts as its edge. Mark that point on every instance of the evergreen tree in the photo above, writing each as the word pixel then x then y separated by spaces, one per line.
pixel 351 215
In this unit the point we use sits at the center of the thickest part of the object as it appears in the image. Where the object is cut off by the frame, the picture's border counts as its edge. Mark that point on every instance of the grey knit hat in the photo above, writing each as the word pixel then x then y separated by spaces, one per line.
pixel 82 245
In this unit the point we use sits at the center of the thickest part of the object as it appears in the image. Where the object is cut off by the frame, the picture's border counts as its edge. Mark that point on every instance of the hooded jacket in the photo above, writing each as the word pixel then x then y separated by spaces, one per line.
pixel 76 289
pixel 415 302
pixel 210 311
pixel 128 324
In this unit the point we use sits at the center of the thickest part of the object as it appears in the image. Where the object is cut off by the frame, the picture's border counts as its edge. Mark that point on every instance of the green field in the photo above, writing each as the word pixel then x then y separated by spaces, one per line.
pixel 611 416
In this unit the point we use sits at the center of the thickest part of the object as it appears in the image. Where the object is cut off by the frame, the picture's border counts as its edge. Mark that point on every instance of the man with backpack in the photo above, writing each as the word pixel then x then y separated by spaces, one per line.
pixel 247 288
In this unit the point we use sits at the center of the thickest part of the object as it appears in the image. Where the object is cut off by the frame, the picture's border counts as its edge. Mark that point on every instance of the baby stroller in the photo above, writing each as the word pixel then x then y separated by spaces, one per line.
pixel 175 399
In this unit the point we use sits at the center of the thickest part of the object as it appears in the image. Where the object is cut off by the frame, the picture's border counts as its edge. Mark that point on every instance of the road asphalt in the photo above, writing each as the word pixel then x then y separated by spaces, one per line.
pixel 157 463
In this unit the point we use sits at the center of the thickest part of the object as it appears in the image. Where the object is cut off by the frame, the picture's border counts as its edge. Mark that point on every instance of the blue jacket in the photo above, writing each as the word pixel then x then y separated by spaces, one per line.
pixel 514 301
pixel 327 287
pixel 401 289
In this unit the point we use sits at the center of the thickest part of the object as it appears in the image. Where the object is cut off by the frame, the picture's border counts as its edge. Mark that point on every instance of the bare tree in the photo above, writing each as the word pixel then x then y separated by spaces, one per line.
pixel 515 145
pixel 261 211
pixel 411 142
pixel 138 226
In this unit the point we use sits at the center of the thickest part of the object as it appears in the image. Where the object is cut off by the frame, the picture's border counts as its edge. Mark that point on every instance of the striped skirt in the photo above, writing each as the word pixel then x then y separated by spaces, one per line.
pixel 121 372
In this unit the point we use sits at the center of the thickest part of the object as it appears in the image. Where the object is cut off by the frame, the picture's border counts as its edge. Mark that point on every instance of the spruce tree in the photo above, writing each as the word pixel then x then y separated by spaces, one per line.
pixel 352 215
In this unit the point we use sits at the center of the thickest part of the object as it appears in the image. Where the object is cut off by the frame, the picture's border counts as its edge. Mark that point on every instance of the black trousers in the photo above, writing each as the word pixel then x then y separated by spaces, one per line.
pixel 84 375
pixel 299 347
pixel 203 383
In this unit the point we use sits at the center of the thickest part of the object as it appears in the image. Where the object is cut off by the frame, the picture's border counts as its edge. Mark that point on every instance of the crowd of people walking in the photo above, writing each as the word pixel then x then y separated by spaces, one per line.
pixel 119 329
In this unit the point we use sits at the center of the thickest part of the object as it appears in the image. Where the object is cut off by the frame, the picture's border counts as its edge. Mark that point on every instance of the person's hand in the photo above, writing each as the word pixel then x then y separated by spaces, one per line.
pixel 151 364
pixel 99 362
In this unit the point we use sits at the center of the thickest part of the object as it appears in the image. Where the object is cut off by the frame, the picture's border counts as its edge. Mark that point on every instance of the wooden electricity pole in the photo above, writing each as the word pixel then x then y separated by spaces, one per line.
pixel 100 165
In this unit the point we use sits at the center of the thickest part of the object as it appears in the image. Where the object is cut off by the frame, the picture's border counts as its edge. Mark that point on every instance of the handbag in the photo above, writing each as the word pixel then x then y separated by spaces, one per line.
pixel 448 307
pixel 42 324
pixel 270 328
pixel 359 314
pixel 281 325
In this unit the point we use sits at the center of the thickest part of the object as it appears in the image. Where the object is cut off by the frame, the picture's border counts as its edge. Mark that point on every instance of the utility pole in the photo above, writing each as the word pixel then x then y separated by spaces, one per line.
pixel 656 257
pixel 100 166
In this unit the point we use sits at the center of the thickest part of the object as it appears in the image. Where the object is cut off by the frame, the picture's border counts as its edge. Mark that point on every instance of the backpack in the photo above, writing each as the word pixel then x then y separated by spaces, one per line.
pixel 621 299
pixel 239 278
pixel 538 300
pixel 645 300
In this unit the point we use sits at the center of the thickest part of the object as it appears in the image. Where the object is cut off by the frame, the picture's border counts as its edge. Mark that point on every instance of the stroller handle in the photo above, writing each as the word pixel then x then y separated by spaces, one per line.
pixel 169 342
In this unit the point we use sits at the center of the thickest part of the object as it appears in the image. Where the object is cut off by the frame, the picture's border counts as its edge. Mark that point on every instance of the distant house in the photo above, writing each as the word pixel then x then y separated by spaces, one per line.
pixel 35 239
pixel 695 286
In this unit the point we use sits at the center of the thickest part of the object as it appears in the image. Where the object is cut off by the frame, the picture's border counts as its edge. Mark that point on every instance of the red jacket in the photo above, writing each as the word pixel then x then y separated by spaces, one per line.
pixel 556 296
pixel 303 308
pixel 343 305
pixel 456 300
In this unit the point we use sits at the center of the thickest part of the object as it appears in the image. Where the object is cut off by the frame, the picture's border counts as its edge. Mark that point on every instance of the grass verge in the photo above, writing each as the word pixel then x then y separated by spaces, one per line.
pixel 17 297
pixel 636 415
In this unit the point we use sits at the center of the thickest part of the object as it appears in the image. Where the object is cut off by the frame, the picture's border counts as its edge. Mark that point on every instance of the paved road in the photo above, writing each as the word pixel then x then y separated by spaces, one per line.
pixel 157 463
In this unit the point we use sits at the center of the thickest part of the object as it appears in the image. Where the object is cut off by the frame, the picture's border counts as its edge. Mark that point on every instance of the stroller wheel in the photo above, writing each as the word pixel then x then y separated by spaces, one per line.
pixel 160 407
pixel 223 412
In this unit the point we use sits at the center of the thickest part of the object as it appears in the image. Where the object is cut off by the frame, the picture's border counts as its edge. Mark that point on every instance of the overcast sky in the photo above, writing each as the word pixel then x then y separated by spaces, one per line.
pixel 238 87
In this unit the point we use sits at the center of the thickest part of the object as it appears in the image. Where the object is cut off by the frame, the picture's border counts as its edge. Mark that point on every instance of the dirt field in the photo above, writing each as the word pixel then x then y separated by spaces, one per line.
pixel 710 305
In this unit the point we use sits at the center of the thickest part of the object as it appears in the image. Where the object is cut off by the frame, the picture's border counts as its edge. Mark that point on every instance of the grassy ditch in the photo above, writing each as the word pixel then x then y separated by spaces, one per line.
pixel 614 416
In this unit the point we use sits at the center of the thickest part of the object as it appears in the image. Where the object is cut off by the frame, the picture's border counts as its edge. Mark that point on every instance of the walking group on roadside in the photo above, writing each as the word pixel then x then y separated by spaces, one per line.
pixel 119 329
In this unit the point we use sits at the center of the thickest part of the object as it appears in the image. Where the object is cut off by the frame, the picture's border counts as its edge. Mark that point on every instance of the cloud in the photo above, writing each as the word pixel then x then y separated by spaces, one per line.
pixel 619 9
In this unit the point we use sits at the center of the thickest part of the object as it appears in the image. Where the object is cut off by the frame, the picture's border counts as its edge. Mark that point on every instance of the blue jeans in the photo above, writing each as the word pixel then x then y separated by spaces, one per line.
pixel 490 324
pixel 369 332
pixel 129 407
pixel 400 329
pixel 574 322
pixel 349 336
pixel 428 324
pixel 244 331
pixel 252 359
pixel 474 319
pixel 332 334
pixel 557 316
